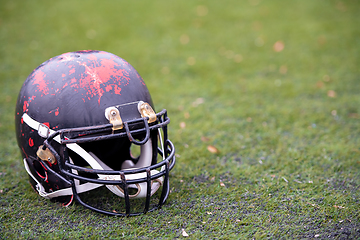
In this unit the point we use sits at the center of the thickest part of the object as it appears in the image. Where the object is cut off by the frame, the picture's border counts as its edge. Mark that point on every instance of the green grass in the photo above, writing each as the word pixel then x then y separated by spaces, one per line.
pixel 288 152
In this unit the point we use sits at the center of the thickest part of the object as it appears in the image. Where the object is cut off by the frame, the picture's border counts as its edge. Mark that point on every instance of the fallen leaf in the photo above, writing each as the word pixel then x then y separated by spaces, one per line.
pixel 319 84
pixel 212 179
pixel 278 46
pixel 354 115
pixel 340 207
pixel 205 139
pixel 212 149
pixel 314 205
pixel 341 6
pixel 331 93
pixel 191 61
pixel 184 233
pixel 201 10
pixel 197 102
pixel 283 69
pixel 238 58
pixel 182 125
pixel 229 54
pixel 184 39
pixel 208 213
pixel 222 184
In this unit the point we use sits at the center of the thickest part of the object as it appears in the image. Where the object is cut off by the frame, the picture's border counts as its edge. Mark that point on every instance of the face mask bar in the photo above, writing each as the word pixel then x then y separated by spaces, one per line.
pixel 166 166
pixel 68 137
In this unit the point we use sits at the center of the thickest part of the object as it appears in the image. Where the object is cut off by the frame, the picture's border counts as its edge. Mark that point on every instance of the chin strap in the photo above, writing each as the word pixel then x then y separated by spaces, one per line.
pixel 80 188
pixel 96 163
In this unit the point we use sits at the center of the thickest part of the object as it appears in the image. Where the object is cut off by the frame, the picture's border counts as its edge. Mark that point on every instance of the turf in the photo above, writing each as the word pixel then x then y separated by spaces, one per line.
pixel 270 87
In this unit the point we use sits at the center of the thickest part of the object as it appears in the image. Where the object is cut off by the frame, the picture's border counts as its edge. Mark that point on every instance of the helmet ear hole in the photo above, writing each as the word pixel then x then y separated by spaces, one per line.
pixel 39 169
pixel 135 151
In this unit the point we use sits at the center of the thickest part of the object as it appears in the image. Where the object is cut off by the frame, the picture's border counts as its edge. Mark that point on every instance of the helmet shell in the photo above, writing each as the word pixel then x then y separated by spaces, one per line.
pixel 73 90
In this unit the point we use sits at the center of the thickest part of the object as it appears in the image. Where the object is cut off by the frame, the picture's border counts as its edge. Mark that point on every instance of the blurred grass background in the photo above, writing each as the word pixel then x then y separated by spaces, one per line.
pixel 271 87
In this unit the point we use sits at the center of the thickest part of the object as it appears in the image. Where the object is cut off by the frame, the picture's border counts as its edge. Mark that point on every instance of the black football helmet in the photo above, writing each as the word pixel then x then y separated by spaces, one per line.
pixel 79 117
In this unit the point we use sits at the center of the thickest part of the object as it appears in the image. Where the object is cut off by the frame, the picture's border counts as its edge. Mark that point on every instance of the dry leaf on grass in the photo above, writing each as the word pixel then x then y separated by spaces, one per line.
pixel 212 149
pixel 354 115
pixel 184 233
pixel 283 69
pixel 222 184
pixel 205 139
pixel 319 84
pixel 182 125
pixel 331 93
pixel 278 46
pixel 314 205
pixel 197 102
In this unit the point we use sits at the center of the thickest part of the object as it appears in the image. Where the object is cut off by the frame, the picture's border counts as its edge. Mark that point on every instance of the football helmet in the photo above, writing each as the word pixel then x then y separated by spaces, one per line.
pixel 79 117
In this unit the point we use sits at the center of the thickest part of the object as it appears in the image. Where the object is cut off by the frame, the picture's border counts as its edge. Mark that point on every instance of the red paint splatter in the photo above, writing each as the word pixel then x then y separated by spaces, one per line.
pixel 31 142
pixel 55 111
pixel 40 81
pixel 71 71
pixel 97 74
pixel 26 105
pixel 85 51
pixel 47 124
pixel 108 88
pixel 92 57
pixel 117 89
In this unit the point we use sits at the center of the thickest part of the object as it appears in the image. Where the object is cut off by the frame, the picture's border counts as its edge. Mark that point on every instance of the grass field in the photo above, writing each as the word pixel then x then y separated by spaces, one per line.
pixel 264 101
